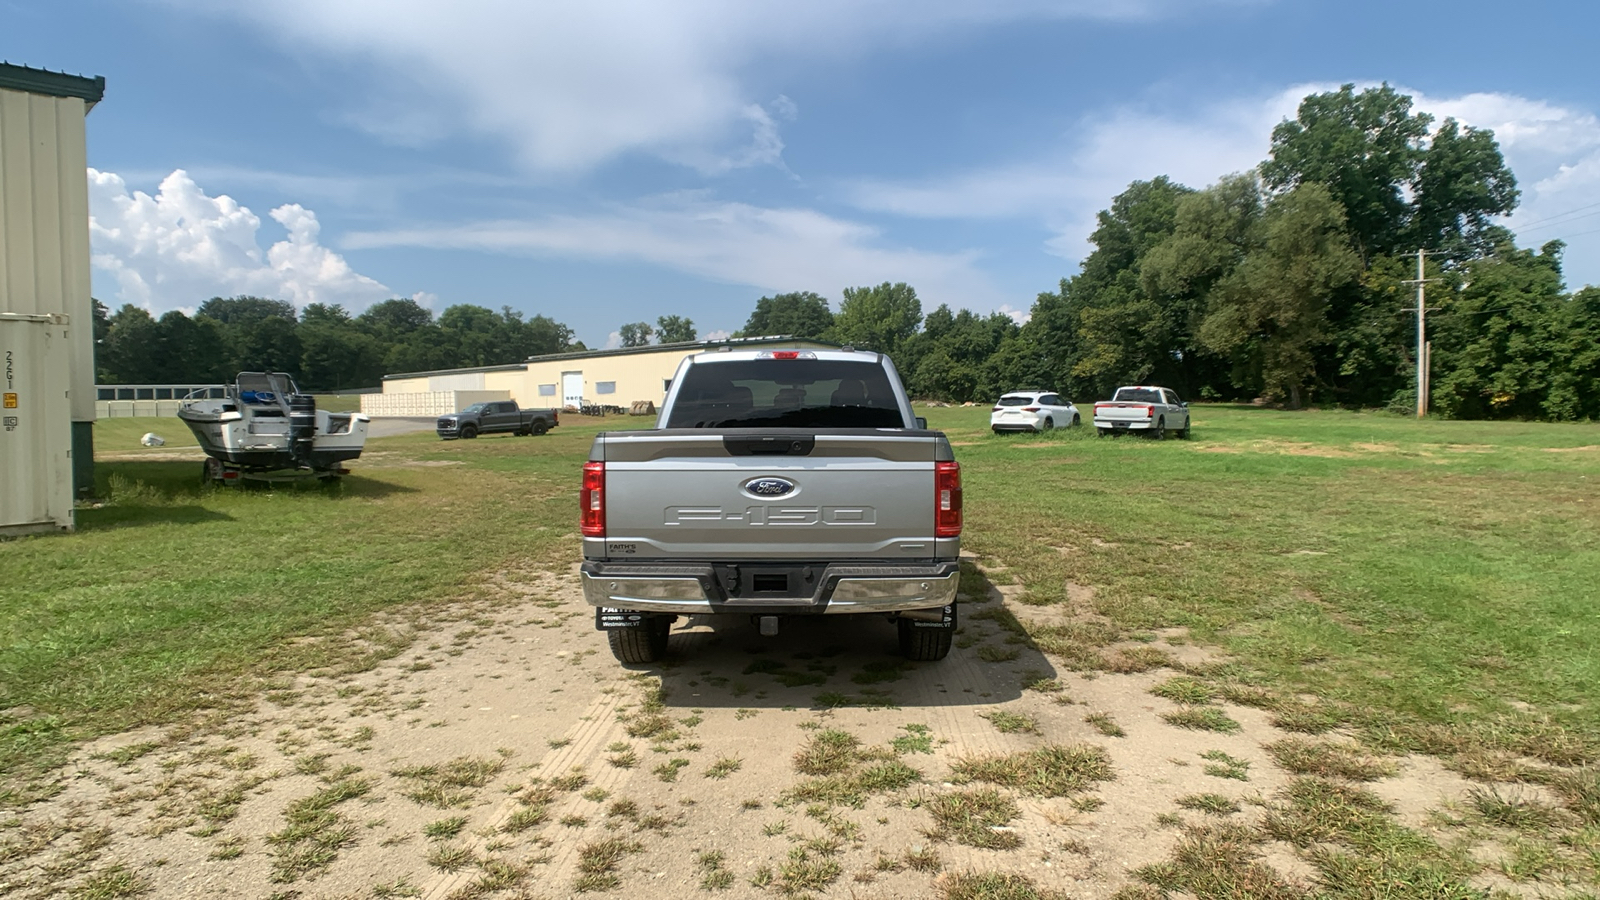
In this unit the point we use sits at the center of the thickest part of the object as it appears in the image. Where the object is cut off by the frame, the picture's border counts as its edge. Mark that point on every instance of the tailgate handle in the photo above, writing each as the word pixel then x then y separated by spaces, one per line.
pixel 769 444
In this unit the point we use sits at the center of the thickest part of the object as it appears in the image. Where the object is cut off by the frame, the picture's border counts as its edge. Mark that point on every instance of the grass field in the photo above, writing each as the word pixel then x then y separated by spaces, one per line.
pixel 1435 581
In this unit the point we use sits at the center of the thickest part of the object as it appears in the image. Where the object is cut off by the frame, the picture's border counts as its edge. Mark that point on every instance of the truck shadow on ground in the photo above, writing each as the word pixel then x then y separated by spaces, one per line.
pixel 829 662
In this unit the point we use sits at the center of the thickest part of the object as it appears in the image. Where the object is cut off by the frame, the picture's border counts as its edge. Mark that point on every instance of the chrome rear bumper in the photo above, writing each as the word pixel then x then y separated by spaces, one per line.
pixel 700 589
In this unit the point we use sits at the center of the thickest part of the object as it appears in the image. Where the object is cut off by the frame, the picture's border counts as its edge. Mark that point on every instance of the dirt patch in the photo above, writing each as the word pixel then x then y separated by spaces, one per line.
pixel 507 751
pixel 1585 449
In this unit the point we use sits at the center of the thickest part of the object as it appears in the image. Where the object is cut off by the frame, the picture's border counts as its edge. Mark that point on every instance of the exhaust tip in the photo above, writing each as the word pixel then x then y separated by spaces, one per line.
pixel 769 625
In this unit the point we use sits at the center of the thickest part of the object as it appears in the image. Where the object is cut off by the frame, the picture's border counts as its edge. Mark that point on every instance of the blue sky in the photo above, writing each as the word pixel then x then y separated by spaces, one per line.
pixel 603 163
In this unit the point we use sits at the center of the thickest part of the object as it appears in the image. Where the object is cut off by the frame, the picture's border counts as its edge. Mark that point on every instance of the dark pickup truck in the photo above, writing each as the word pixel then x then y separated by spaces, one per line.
pixel 497 417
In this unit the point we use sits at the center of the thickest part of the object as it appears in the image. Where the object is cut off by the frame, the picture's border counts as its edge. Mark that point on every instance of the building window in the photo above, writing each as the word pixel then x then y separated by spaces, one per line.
pixel 605 387
pixel 547 390
pixel 666 385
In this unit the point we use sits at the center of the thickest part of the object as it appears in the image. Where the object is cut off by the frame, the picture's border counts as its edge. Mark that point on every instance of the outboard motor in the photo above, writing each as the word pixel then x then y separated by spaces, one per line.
pixel 302 426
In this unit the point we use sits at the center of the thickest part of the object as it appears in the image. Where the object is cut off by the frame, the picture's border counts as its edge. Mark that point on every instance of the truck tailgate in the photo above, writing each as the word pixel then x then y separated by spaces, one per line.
pixel 719 496
pixel 1122 412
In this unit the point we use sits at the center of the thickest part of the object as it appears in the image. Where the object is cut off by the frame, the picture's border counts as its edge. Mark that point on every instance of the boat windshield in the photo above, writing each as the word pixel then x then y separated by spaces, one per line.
pixel 265 387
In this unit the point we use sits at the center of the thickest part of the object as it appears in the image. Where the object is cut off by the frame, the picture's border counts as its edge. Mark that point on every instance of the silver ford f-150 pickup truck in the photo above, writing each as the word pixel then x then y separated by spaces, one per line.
pixel 776 483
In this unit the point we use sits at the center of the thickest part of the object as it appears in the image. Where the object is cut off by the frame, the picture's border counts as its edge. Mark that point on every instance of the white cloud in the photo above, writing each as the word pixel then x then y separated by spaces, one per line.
pixel 180 247
pixel 1020 316
pixel 1553 150
pixel 1093 163
pixel 736 243
pixel 720 334
pixel 613 341
pixel 570 85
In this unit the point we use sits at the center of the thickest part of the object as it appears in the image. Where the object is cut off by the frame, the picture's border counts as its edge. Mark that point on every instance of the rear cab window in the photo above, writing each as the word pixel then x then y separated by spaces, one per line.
pixel 1016 400
pixel 1138 395
pixel 786 393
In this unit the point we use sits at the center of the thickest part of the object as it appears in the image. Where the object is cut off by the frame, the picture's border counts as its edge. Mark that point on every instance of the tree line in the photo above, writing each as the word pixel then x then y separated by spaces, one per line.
pixel 323 346
pixel 1292 283
pixel 1289 283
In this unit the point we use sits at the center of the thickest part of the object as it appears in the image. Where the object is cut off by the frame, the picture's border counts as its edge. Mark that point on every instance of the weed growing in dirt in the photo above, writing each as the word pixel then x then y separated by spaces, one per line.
pixel 315 832
pixel 1201 718
pixel 917 739
pixel 724 767
pixel 713 877
pixel 450 857
pixel 977 818
pixel 1103 723
pixel 805 871
pixel 1183 690
pixel 827 752
pixel 1219 861
pixel 880 670
pixel 668 771
pixel 1012 723
pixel 450 784
pixel 1049 771
pixel 444 829
pixel 597 864
pixel 1328 760
pixel 625 758
pixel 1222 765
pixel 1211 804
pixel 993 886
pixel 1513 811
pixel 991 653
pixel 574 779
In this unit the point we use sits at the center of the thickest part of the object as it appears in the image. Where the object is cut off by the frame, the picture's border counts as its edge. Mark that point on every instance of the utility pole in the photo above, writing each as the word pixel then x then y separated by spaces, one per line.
pixel 1423 347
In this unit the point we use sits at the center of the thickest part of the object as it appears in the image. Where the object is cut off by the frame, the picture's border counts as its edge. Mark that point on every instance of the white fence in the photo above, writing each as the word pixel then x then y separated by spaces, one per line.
pixel 425 404
pixel 122 409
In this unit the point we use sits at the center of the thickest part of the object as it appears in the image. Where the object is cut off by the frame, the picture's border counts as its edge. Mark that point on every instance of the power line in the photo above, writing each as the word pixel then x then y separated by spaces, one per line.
pixel 1535 222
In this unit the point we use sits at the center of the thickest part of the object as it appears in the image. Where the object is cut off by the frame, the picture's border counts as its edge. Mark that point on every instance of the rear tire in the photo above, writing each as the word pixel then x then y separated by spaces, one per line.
pixel 1076 421
pixel 540 427
pixel 1160 432
pixel 924 644
pixel 1103 432
pixel 642 644
pixel 1049 424
pixel 468 432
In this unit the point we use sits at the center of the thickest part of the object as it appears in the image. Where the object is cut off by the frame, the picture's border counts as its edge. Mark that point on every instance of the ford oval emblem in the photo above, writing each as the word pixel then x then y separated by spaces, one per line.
pixel 769 487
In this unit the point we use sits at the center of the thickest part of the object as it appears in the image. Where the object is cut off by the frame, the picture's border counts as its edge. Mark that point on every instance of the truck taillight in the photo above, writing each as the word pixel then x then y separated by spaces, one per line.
pixel 555 417
pixel 1030 409
pixel 1149 411
pixel 997 409
pixel 592 500
pixel 947 499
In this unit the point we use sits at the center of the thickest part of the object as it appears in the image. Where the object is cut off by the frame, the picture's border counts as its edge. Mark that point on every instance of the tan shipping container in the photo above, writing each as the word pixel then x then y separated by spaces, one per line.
pixel 35 424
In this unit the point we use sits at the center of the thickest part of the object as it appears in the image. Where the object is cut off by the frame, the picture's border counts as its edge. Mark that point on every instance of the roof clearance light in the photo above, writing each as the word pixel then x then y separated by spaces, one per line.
pixel 786 354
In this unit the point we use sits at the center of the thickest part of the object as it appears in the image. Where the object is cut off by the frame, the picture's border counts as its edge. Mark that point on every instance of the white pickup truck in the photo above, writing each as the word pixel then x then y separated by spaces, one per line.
pixel 775 484
pixel 1152 410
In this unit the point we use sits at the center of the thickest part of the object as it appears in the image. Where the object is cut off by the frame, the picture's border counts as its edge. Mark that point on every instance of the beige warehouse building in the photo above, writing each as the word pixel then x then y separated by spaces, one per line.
pixel 605 377
pixel 46 315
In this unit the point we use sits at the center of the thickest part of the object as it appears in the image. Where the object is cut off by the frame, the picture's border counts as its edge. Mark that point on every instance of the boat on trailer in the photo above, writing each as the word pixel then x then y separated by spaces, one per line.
pixel 264 428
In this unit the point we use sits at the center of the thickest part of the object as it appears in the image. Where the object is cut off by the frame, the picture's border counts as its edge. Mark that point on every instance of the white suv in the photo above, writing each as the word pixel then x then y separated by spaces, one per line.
pixel 1032 411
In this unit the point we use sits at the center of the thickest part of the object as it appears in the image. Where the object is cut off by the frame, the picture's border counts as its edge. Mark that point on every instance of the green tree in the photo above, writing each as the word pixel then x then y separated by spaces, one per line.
pixel 801 314
pixel 129 353
pixel 1093 331
pixel 1365 147
pixel 244 312
pixel 1271 313
pixel 1463 182
pixel 1502 342
pixel 636 334
pixel 675 329
pixel 877 318
pixel 394 319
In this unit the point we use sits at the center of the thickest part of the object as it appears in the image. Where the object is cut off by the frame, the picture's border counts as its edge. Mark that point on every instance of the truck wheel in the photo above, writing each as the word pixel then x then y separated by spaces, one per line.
pixel 541 426
pixel 1076 420
pixel 1103 432
pixel 1183 433
pixel 1049 424
pixel 468 432
pixel 924 644
pixel 642 644
pixel 1160 431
